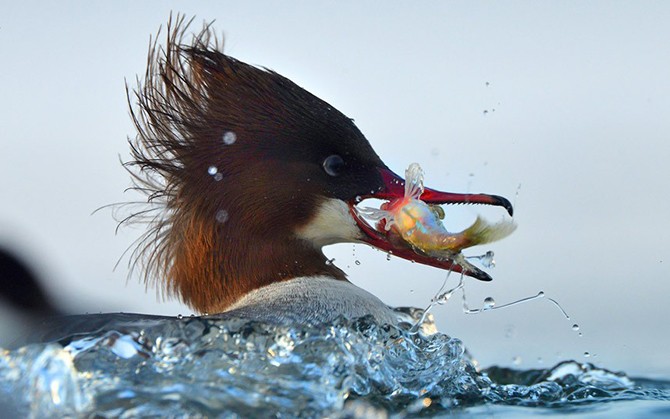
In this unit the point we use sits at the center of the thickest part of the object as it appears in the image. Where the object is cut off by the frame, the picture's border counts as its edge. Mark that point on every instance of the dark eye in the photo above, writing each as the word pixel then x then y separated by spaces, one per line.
pixel 333 165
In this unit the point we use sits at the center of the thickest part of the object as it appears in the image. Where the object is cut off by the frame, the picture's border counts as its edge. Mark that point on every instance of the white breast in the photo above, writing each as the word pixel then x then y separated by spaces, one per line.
pixel 311 299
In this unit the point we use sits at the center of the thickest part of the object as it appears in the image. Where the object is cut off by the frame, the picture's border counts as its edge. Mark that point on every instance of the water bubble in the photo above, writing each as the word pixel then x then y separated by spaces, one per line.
pixel 212 170
pixel 575 327
pixel 489 303
pixel 218 177
pixel 357 262
pixel 222 216
pixel 229 137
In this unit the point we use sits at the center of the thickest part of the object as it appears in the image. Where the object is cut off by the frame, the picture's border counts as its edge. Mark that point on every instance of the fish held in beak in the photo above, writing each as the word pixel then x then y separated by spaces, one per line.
pixel 410 224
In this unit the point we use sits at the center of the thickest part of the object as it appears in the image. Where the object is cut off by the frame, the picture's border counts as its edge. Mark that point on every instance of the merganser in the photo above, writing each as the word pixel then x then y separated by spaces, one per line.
pixel 252 175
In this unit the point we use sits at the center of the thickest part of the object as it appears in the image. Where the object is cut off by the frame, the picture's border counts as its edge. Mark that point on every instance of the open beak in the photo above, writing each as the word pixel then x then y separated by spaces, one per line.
pixel 394 188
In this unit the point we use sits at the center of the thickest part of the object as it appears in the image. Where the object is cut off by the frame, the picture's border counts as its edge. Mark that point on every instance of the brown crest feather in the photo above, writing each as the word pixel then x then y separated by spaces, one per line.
pixel 191 94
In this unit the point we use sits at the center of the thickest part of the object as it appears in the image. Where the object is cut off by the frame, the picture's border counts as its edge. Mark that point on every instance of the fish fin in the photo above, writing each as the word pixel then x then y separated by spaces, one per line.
pixel 377 214
pixel 413 181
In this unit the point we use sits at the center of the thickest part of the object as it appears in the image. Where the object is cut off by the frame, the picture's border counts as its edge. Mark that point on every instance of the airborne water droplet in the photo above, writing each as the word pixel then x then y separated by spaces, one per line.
pixel 388 256
pixel 212 170
pixel 489 303
pixel 218 177
pixel 229 137
pixel 358 262
pixel 487 260
pixel 575 327
pixel 587 354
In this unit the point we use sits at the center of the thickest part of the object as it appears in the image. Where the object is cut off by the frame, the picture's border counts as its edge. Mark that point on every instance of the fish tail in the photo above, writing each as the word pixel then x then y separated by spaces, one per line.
pixel 482 232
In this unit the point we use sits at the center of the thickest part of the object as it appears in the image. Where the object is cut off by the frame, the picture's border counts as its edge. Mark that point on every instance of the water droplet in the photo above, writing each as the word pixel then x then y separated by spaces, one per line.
pixel 489 303
pixel 485 112
pixel 358 262
pixel 487 260
pixel 358 199
pixel 575 327
pixel 330 261
pixel 179 316
pixel 580 334
pixel 388 256
pixel 487 84
pixel 587 354
pixel 212 170
pixel 540 360
pixel 229 137
pixel 516 360
pixel 540 294
pixel 222 216
pixel 218 177
pixel 411 291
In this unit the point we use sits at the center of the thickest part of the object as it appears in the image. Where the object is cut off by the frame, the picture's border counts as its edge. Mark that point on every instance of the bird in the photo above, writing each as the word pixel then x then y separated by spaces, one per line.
pixel 247 176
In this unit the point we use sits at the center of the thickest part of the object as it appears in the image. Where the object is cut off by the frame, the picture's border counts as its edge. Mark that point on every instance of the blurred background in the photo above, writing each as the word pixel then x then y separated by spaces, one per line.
pixel 563 107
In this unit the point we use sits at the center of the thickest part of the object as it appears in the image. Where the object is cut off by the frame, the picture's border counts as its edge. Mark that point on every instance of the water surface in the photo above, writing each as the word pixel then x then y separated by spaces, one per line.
pixel 129 365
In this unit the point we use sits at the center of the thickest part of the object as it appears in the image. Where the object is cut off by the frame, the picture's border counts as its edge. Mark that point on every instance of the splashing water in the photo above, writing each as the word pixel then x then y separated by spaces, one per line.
pixel 133 365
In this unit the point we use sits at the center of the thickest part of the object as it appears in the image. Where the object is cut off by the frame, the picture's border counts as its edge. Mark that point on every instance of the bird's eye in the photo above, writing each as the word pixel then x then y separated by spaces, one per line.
pixel 333 165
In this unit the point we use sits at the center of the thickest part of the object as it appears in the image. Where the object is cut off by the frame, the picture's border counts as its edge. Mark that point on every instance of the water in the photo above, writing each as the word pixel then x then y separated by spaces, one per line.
pixel 123 365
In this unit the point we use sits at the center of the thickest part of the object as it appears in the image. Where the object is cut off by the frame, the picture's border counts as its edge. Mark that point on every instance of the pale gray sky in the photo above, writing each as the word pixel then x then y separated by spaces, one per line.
pixel 578 98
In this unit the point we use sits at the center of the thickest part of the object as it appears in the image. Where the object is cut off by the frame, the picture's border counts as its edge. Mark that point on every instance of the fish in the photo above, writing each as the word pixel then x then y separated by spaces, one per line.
pixel 420 225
